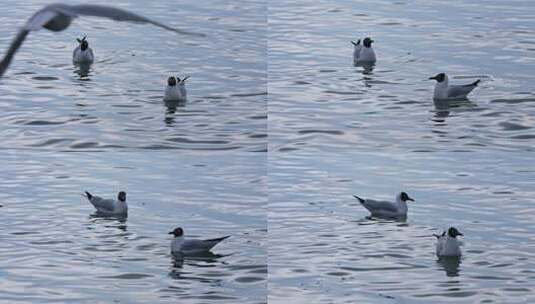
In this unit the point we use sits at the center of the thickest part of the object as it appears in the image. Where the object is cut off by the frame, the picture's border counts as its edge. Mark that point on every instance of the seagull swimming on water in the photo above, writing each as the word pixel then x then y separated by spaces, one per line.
pixel 447 244
pixel 364 54
pixel 445 91
pixel 57 17
pixel 175 89
pixel 83 53
pixel 109 206
pixel 386 209
pixel 182 246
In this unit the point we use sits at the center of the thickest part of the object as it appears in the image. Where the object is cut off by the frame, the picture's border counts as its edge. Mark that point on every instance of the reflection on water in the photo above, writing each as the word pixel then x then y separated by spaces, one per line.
pixel 451 265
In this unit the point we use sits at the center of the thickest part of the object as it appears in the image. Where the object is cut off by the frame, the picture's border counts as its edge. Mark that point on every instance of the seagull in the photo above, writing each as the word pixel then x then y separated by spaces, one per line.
pixel 57 17
pixel 387 209
pixel 444 91
pixel 109 206
pixel 183 246
pixel 83 53
pixel 175 89
pixel 447 244
pixel 366 55
pixel 356 52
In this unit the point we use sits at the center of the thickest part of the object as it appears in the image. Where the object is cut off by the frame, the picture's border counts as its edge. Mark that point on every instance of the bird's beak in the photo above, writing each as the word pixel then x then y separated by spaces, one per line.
pixel 460 234
pixel 183 80
pixel 434 77
pixel 171 232
pixel 372 41
pixel 410 199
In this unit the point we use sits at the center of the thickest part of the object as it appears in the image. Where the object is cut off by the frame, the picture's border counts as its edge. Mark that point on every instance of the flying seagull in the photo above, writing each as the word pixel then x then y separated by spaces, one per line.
pixel 57 17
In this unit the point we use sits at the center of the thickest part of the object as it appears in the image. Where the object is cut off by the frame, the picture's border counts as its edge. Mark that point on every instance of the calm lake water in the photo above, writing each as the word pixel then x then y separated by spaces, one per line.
pixel 201 165
pixel 337 130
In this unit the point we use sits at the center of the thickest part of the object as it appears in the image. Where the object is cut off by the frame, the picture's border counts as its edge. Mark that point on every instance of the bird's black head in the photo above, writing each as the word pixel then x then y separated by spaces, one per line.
pixel 171 81
pixel 453 232
pixel 83 43
pixel 177 232
pixel 355 43
pixel 405 197
pixel 439 77
pixel 367 42
pixel 122 196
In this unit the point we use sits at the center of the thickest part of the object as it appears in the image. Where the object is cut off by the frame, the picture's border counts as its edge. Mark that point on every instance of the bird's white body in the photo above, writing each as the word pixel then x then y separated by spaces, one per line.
pixel 448 246
pixel 184 246
pixel 366 55
pixel 109 206
pixel 85 56
pixel 176 92
pixel 445 91
pixel 396 209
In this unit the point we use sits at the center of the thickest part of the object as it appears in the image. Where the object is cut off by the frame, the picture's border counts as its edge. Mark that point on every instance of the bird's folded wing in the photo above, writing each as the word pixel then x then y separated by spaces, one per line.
pixel 102 204
pixel 460 90
pixel 380 205
pixel 192 245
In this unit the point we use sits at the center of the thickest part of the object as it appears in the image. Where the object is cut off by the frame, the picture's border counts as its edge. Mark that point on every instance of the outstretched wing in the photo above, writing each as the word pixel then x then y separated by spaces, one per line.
pixel 15 44
pixel 116 14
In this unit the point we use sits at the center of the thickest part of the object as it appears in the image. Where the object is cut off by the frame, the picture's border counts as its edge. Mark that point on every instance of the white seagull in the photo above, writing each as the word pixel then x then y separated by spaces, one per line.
pixel 57 17
pixel 83 53
pixel 386 209
pixel 356 50
pixel 447 244
pixel 109 206
pixel 175 89
pixel 182 246
pixel 445 91
pixel 366 55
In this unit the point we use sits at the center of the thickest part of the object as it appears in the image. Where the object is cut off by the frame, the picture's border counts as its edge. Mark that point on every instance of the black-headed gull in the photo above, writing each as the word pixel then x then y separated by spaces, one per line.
pixel 83 53
pixel 366 54
pixel 445 91
pixel 57 17
pixel 387 209
pixel 175 89
pixel 109 206
pixel 182 246
pixel 447 243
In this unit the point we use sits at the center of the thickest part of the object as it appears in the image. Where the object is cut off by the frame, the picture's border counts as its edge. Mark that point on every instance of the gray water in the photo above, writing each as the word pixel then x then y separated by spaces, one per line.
pixel 118 105
pixel 336 130
pixel 199 165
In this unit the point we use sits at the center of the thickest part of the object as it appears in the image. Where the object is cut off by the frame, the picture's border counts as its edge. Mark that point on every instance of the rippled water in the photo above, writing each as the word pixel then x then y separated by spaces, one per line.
pixel 46 104
pixel 337 130
pixel 324 249
pixel 188 165
pixel 319 100
pixel 55 249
